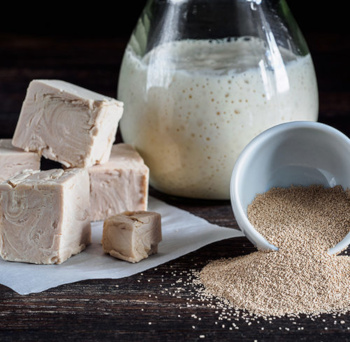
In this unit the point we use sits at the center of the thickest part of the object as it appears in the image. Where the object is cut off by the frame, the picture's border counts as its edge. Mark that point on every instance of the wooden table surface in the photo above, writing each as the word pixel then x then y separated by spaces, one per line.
pixel 157 304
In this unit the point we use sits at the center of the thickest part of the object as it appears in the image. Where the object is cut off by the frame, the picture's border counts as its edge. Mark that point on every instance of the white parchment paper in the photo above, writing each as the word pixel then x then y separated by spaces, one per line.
pixel 182 232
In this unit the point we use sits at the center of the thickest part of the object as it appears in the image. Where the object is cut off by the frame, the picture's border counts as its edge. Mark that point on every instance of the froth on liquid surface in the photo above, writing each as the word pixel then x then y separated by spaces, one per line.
pixel 192 106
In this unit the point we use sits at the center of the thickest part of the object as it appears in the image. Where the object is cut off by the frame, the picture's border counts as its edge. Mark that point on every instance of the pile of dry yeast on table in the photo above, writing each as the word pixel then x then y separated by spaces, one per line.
pixel 301 277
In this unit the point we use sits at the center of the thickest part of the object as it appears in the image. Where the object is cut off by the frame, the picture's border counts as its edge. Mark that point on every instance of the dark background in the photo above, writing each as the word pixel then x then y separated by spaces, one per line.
pixel 105 18
pixel 84 45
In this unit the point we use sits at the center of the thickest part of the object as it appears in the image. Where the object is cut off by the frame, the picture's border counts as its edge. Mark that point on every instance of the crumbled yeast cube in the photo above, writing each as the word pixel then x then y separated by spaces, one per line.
pixel 44 216
pixel 119 185
pixel 14 160
pixel 67 123
pixel 132 236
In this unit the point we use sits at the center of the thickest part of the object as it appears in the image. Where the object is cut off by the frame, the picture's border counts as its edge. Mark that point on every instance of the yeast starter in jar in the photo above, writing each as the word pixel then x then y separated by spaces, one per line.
pixel 192 105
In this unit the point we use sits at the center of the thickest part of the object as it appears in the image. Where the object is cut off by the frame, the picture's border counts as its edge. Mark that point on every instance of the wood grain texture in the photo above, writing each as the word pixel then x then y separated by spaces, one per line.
pixel 157 304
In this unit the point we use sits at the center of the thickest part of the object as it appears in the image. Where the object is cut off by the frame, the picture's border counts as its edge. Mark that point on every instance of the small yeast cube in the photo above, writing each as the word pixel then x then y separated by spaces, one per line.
pixel 67 123
pixel 119 185
pixel 132 236
pixel 44 216
pixel 14 160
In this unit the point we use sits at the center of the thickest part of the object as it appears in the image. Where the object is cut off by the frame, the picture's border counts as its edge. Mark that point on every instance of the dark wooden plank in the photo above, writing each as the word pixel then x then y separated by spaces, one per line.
pixel 152 305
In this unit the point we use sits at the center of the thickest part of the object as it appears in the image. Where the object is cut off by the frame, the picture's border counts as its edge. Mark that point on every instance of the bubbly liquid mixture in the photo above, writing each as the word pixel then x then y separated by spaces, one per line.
pixel 190 107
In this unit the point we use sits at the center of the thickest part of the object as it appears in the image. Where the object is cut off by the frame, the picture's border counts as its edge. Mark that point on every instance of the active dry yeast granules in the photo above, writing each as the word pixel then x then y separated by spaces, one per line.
pixel 301 277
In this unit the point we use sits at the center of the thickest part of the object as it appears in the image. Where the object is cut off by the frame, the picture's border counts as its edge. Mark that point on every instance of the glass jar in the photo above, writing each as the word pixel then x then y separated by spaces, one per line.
pixel 201 78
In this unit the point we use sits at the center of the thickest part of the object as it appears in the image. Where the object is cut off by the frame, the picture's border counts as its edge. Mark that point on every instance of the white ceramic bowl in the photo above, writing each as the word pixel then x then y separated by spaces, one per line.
pixel 295 153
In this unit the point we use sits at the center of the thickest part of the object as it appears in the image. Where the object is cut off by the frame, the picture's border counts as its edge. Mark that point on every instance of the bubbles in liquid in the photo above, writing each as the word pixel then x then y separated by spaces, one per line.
pixel 212 98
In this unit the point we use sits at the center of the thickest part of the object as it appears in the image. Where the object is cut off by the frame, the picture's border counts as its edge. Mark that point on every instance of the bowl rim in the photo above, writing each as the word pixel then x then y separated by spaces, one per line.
pixel 241 163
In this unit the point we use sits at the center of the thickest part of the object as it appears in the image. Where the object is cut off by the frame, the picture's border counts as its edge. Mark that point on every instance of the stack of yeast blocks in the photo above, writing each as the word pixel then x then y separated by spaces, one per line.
pixel 45 215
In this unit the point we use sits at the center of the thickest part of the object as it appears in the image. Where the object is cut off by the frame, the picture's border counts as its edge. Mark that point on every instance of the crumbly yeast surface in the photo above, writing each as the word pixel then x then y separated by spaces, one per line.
pixel 301 277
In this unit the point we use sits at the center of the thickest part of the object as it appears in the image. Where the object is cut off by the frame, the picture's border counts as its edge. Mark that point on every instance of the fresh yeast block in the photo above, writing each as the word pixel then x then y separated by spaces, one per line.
pixel 68 124
pixel 44 216
pixel 119 185
pixel 132 236
pixel 14 160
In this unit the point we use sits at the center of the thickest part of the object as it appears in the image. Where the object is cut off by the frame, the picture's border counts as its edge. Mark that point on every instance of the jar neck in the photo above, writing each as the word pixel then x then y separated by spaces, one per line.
pixel 169 20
